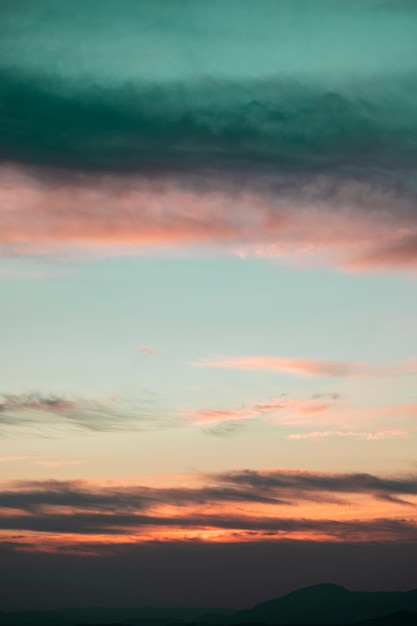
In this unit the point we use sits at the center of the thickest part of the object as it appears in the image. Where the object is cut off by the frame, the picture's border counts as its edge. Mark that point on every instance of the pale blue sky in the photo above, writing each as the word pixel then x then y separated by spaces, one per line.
pixel 80 336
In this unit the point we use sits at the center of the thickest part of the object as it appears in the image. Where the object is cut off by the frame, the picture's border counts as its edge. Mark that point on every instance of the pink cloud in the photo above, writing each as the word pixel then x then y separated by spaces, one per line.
pixel 309 367
pixel 323 413
pixel 289 407
pixel 214 416
pixel 399 254
pixel 147 350
pixel 353 228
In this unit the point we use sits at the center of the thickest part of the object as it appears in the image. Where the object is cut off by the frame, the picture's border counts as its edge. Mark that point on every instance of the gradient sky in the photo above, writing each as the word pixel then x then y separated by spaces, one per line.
pixel 208 240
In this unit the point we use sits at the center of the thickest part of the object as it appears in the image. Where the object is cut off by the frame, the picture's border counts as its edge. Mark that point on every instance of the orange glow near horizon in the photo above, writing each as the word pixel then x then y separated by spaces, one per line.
pixel 197 515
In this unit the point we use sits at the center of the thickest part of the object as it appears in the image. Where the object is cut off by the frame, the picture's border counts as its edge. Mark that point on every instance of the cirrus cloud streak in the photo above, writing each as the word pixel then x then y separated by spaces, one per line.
pixel 310 367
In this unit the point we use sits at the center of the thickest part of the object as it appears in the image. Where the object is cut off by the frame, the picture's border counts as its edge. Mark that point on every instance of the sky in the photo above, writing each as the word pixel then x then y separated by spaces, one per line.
pixel 208 278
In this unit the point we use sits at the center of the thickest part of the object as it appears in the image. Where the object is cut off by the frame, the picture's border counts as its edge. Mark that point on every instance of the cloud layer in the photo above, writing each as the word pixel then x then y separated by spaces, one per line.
pixel 295 151
pixel 265 500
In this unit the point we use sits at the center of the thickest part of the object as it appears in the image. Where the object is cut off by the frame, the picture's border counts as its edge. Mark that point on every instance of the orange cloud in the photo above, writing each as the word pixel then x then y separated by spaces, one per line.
pixel 229 506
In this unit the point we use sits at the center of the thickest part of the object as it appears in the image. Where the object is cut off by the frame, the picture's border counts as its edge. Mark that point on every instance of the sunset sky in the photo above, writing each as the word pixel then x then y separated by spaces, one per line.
pixel 208 278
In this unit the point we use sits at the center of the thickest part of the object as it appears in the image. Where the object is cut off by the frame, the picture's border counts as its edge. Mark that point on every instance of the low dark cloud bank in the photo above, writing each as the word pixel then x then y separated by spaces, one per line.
pixel 197 574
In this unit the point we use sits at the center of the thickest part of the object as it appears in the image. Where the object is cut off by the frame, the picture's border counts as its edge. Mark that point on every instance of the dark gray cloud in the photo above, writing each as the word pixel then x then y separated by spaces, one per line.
pixel 35 496
pixel 300 483
pixel 117 524
pixel 274 487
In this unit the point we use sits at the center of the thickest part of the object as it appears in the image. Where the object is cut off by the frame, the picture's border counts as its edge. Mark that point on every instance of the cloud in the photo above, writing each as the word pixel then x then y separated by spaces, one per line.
pixel 281 124
pixel 303 153
pixel 399 254
pixel 53 415
pixel 147 350
pixel 114 524
pixel 83 507
pixel 36 495
pixel 272 407
pixel 304 222
pixel 319 410
pixel 53 404
pixel 304 482
pixel 362 435
pixel 308 367
pixel 50 414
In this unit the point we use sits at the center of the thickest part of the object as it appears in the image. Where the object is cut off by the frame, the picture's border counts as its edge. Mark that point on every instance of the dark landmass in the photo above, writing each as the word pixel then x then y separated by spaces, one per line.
pixel 320 605
pixel 328 604
pixel 401 618
pixel 97 616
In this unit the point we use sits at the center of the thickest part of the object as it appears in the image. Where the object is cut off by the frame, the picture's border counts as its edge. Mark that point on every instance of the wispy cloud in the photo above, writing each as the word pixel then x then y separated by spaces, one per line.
pixel 51 414
pixel 328 414
pixel 362 435
pixel 309 367
pixel 272 407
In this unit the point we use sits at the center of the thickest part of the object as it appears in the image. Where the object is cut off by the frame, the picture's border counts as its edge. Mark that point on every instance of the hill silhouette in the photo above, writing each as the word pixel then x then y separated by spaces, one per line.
pixel 319 605
pixel 401 618
pixel 328 604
